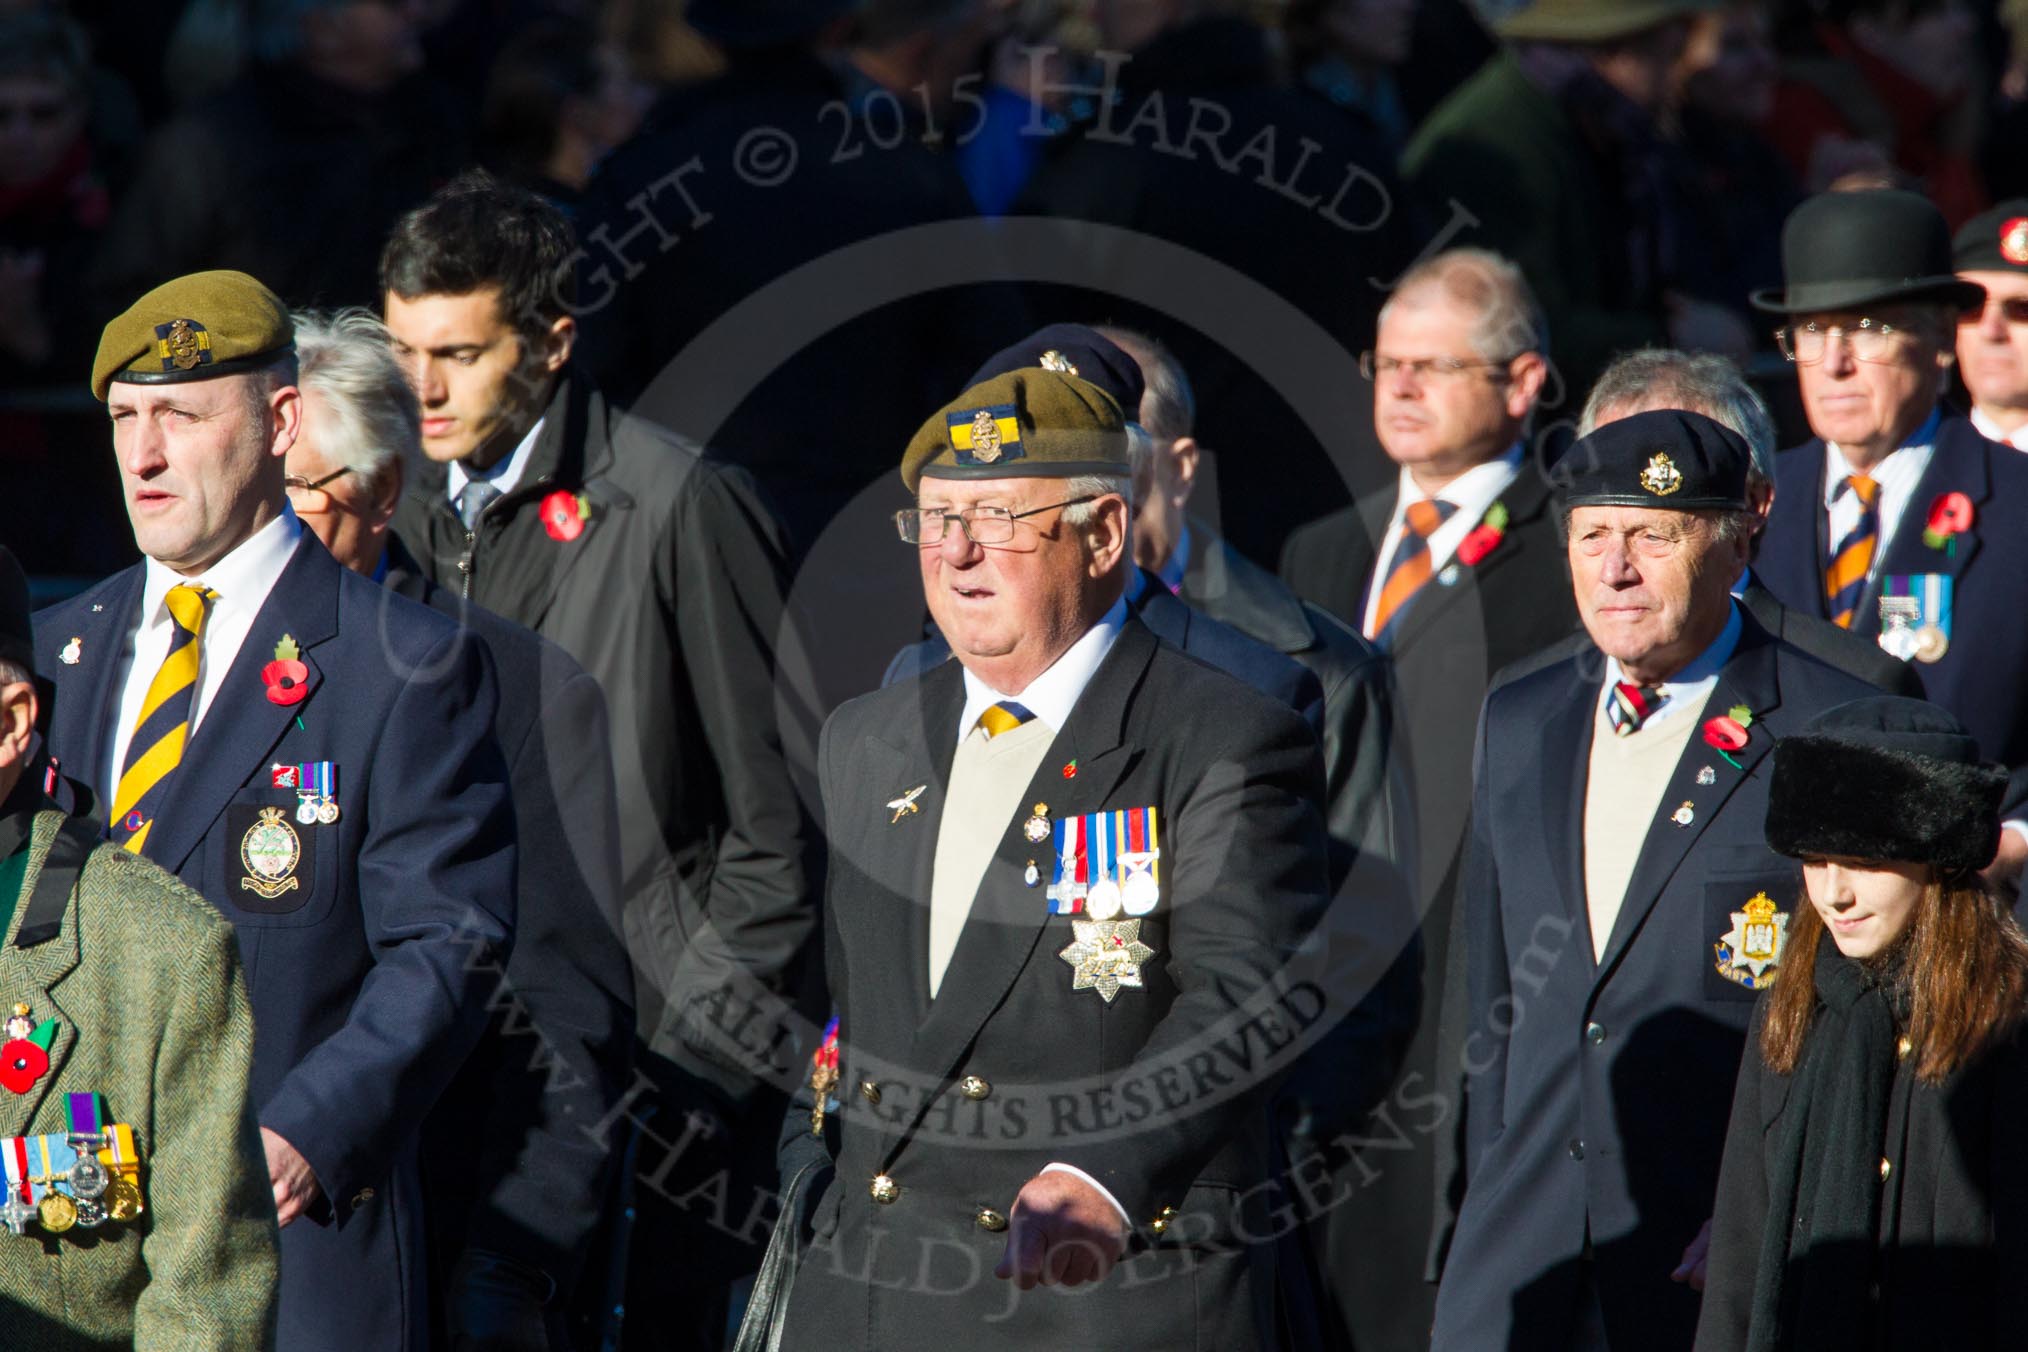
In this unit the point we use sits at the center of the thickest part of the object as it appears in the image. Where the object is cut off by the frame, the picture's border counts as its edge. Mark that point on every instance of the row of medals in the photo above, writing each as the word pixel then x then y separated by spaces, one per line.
pixel 97 1195
pixel 1901 636
pixel 1106 899
pixel 312 810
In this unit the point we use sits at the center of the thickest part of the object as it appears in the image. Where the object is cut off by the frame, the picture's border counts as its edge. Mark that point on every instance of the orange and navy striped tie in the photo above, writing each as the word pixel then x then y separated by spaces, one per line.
pixel 1411 565
pixel 1004 717
pixel 1852 560
pixel 156 747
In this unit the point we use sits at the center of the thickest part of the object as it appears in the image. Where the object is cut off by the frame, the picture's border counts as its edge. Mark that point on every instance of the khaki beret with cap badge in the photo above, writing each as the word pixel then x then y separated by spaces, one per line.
pixel 197 327
pixel 1031 423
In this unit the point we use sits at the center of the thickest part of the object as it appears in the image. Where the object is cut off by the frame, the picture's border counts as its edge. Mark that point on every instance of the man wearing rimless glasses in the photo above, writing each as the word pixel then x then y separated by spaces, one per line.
pixel 1991 250
pixel 1899 521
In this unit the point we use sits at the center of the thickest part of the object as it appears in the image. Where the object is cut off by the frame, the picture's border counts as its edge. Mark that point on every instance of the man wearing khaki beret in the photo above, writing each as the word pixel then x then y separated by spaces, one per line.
pixel 314 756
pixel 1064 868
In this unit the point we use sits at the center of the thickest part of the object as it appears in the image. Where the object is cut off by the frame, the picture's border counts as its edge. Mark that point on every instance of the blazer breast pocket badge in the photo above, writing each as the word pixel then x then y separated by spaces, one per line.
pixel 1750 953
pixel 1107 864
pixel 273 857
pixel 1915 616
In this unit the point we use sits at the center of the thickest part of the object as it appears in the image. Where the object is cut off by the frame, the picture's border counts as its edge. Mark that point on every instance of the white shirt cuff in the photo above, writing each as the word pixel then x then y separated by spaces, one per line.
pixel 1073 1170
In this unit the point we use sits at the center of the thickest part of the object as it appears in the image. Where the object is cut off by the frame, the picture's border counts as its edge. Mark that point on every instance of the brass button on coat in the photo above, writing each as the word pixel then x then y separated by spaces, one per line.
pixel 990 1219
pixel 883 1189
pixel 972 1087
pixel 869 1091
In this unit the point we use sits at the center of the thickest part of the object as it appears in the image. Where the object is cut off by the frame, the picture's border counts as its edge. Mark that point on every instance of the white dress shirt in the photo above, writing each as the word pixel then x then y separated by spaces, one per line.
pixel 1474 492
pixel 1690 687
pixel 504 475
pixel 1050 697
pixel 1897 476
pixel 242 580
pixel 1990 430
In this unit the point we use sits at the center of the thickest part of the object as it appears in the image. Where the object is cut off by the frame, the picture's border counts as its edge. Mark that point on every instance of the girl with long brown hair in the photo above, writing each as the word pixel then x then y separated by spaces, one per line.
pixel 1874 1193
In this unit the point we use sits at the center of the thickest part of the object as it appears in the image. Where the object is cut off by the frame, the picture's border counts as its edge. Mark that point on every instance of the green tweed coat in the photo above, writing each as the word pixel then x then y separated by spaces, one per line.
pixel 144 982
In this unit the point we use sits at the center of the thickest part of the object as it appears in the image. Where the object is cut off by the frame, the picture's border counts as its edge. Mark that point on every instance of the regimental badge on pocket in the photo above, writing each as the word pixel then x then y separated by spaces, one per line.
pixel 1750 953
pixel 273 859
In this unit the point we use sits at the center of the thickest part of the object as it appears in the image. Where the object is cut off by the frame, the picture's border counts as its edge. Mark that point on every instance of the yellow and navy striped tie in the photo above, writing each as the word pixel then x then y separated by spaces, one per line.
pixel 1852 561
pixel 156 747
pixel 1003 717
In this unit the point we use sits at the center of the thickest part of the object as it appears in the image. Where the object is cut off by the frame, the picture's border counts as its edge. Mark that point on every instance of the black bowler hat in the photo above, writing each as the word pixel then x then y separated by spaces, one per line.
pixel 1669 458
pixel 17 637
pixel 1073 350
pixel 1841 250
pixel 1994 241
pixel 763 23
pixel 1885 778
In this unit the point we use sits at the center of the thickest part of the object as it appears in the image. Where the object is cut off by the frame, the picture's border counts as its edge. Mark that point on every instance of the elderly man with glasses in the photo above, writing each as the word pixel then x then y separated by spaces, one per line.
pixel 1898 520
pixel 1065 869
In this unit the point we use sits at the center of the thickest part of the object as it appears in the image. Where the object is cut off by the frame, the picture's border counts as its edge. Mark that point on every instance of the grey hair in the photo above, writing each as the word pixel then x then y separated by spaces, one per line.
pixel 1726 525
pixel 13 673
pixel 371 419
pixel 1170 402
pixel 1699 382
pixel 1092 486
pixel 1511 319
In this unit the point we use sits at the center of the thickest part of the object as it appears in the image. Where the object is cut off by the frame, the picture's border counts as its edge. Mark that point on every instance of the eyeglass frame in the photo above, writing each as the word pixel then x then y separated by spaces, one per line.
pixel 296 483
pixel 1883 329
pixel 965 518
pixel 1421 368
pixel 2013 310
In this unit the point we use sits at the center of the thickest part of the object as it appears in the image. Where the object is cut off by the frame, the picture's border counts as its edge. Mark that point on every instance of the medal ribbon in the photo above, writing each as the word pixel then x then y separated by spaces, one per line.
pixel 84 1114
pixel 17 1169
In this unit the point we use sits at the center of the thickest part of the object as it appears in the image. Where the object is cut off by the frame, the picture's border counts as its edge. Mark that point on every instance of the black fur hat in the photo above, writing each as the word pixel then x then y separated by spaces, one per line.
pixel 1885 778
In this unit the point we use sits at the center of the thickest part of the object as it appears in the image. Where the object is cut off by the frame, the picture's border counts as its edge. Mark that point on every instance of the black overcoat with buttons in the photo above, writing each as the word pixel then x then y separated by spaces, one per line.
pixel 953 1103
pixel 1598 1091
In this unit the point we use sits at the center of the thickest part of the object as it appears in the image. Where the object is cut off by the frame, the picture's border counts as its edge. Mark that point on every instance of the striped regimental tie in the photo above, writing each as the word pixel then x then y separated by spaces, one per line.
pixel 1631 705
pixel 156 747
pixel 1411 566
pixel 1003 717
pixel 1852 560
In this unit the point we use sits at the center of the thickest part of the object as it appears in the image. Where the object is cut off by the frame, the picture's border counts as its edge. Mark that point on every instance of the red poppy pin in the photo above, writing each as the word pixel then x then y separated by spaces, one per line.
pixel 1070 770
pixel 1727 733
pixel 1484 537
pixel 1949 517
pixel 24 1058
pixel 564 515
pixel 286 678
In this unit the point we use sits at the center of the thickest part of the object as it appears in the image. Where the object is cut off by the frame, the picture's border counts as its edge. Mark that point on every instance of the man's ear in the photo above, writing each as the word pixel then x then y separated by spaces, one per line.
pixel 1106 533
pixel 286 404
pixel 1184 455
pixel 558 342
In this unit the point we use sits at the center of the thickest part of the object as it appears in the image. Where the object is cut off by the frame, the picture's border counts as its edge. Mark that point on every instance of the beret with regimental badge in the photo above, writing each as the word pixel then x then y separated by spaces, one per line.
pixel 1995 240
pixel 197 327
pixel 1032 423
pixel 1665 458
pixel 1077 350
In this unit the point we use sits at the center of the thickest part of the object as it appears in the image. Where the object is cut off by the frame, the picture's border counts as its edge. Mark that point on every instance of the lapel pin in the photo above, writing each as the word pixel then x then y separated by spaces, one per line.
pixel 96 607
pixel 1449 576
pixel 905 804
pixel 1685 815
pixel 1070 770
pixel 1728 733
pixel 1037 828
pixel 71 652
pixel 286 678
pixel 1707 776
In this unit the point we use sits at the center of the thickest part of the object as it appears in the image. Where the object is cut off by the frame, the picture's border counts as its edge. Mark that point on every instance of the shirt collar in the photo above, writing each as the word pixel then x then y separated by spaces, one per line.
pixel 1697 676
pixel 249 570
pixel 1473 492
pixel 1915 449
pixel 504 476
pixel 1052 695
pixel 1984 425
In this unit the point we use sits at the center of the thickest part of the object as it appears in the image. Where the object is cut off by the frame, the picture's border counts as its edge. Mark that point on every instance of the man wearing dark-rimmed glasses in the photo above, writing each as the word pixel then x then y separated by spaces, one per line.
pixel 1897 520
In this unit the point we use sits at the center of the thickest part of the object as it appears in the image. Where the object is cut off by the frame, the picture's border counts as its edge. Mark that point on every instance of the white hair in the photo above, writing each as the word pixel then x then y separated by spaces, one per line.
pixel 1510 318
pixel 1093 486
pixel 370 416
pixel 1700 382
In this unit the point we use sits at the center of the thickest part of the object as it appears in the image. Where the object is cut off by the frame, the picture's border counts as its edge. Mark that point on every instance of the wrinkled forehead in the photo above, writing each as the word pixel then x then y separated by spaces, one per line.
pixel 1014 494
pixel 1628 520
pixel 219 394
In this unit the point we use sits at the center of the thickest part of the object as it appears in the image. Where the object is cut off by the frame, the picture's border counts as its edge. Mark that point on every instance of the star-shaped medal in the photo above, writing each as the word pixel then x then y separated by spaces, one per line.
pixel 1107 956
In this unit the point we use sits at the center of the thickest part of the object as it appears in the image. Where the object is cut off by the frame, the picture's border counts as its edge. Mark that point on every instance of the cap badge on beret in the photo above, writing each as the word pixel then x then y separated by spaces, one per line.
pixel 1053 360
pixel 1661 477
pixel 986 436
pixel 182 345
pixel 2014 240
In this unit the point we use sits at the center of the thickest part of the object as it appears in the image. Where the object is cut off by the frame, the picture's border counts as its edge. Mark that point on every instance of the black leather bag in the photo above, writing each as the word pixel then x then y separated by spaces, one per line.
pixel 767 1310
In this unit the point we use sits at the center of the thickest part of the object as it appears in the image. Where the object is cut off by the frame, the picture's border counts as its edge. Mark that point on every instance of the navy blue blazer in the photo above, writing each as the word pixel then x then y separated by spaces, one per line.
pixel 369 979
pixel 1983 678
pixel 1598 1092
